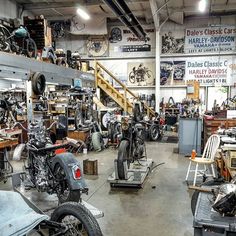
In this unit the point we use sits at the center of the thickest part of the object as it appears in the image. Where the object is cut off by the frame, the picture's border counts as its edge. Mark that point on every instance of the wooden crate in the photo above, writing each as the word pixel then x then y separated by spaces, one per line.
pixel 90 167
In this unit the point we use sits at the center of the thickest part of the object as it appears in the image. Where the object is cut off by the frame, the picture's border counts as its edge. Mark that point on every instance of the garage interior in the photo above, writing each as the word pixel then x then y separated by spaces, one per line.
pixel 118 117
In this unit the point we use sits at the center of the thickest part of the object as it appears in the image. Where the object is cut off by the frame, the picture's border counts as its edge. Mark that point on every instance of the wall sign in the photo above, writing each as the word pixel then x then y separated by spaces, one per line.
pixel 210 40
pixel 208 70
pixel 135 48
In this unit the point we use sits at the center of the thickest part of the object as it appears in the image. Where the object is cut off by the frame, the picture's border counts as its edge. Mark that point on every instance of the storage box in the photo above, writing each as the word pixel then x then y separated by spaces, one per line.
pixel 210 223
pixel 90 167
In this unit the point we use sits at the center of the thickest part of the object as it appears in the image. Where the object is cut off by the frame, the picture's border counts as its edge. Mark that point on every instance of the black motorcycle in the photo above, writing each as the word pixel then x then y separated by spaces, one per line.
pixel 19 42
pixel 132 145
pixel 59 174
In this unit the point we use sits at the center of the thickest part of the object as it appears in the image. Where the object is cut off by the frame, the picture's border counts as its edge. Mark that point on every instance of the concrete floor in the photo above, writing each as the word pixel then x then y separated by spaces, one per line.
pixel 162 207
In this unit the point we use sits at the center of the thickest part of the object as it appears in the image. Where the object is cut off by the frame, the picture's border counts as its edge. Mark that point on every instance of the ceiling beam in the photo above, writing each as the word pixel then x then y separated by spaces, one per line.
pixel 66 4
pixel 155 14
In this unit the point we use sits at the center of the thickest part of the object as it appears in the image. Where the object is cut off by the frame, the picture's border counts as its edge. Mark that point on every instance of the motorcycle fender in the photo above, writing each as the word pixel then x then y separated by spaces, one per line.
pixel 18 152
pixel 67 161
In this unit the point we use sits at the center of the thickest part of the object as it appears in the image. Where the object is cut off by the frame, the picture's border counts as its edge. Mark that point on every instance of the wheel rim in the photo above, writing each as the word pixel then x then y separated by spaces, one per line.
pixel 155 133
pixel 75 226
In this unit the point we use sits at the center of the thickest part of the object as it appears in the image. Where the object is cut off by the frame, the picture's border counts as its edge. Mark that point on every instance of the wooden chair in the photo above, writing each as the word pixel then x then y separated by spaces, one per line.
pixel 207 159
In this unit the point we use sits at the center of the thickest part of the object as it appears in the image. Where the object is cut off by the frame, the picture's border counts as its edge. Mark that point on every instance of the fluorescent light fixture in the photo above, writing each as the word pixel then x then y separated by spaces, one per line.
pixel 83 14
pixel 12 79
pixel 52 83
pixel 202 5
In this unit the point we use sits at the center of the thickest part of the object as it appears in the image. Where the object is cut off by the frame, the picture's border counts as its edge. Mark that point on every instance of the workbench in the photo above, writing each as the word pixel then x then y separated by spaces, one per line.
pixel 5 166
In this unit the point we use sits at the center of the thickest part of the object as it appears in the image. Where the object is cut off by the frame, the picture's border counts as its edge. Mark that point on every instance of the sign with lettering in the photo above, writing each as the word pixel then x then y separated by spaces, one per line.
pixel 208 70
pixel 210 40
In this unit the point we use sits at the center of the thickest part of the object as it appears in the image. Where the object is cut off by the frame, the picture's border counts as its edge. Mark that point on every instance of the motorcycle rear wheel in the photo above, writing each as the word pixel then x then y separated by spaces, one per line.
pixel 132 77
pixel 31 48
pixel 123 155
pixel 64 193
pixel 77 218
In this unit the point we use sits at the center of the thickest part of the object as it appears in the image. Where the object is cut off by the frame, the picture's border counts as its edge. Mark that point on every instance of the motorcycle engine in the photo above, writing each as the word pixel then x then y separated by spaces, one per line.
pixel 41 177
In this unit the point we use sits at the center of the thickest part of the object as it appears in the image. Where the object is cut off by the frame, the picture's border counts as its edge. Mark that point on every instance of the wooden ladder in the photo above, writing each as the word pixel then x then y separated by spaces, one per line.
pixel 104 79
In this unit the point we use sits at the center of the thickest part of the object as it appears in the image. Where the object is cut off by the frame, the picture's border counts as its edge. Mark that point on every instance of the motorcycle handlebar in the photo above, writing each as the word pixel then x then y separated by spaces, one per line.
pixel 18 123
pixel 55 123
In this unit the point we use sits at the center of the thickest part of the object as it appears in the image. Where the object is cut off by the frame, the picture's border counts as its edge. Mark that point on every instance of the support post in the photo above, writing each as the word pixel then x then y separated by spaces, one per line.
pixel 125 96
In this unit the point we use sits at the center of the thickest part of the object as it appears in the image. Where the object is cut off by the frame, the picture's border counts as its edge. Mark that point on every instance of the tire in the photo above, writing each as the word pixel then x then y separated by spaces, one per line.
pixel 88 225
pixel 5 40
pixel 31 48
pixel 38 83
pixel 97 141
pixel 123 155
pixel 196 193
pixel 154 132
pixel 64 193
pixel 132 77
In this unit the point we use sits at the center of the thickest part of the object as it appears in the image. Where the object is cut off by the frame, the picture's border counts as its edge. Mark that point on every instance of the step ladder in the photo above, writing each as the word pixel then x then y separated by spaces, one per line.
pixel 105 80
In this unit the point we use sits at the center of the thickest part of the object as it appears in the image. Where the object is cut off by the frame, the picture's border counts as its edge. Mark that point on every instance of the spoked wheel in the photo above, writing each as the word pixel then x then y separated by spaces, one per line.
pixel 123 155
pixel 31 48
pixel 5 41
pixel 154 132
pixel 64 193
pixel 132 77
pixel 78 219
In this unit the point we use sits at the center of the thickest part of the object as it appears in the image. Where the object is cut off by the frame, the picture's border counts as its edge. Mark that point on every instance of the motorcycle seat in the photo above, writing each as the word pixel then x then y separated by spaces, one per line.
pixel 49 148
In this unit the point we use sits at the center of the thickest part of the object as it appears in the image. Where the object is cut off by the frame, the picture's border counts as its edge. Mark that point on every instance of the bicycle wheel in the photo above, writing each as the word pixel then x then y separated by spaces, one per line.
pixel 5 40
pixel 31 48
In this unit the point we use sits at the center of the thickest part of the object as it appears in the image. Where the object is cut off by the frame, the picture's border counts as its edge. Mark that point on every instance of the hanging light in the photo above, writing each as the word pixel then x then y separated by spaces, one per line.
pixel 202 5
pixel 83 14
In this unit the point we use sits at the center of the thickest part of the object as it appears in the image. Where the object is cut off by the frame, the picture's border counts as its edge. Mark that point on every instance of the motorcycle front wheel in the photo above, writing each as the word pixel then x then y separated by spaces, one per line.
pixel 132 77
pixel 77 218
pixel 154 132
pixel 64 193
pixel 123 155
pixel 31 48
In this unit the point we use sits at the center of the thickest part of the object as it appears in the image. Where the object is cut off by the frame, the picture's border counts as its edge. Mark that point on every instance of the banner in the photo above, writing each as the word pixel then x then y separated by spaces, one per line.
pixel 210 39
pixel 208 70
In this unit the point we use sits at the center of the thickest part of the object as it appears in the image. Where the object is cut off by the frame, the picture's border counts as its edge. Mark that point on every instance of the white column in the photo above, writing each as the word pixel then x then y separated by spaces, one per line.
pixel 157 59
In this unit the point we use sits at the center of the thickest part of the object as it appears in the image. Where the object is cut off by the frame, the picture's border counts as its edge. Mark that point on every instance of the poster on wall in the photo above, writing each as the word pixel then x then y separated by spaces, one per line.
pixel 210 40
pixel 141 74
pixel 172 73
pixel 172 42
pixel 97 46
pixel 208 70
pixel 123 42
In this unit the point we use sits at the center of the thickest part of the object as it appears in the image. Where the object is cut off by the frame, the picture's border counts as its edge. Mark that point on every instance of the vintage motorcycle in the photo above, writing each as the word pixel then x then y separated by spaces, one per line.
pixel 141 74
pixel 19 42
pixel 59 174
pixel 132 145
pixel 19 216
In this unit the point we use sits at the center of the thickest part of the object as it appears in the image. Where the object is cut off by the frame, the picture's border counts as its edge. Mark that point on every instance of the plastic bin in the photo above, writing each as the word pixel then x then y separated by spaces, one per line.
pixel 210 223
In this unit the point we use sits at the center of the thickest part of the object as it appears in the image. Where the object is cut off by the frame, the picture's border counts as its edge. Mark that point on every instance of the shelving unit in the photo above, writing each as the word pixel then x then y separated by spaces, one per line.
pixel 20 67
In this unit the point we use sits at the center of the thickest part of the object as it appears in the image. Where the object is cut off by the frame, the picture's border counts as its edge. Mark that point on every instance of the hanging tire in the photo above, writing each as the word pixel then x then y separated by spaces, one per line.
pixel 38 83
pixel 123 155
pixel 97 141
pixel 154 132
pixel 77 218
pixel 196 193
pixel 64 193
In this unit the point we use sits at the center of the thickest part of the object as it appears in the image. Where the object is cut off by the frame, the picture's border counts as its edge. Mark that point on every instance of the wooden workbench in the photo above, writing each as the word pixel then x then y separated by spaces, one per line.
pixel 8 143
